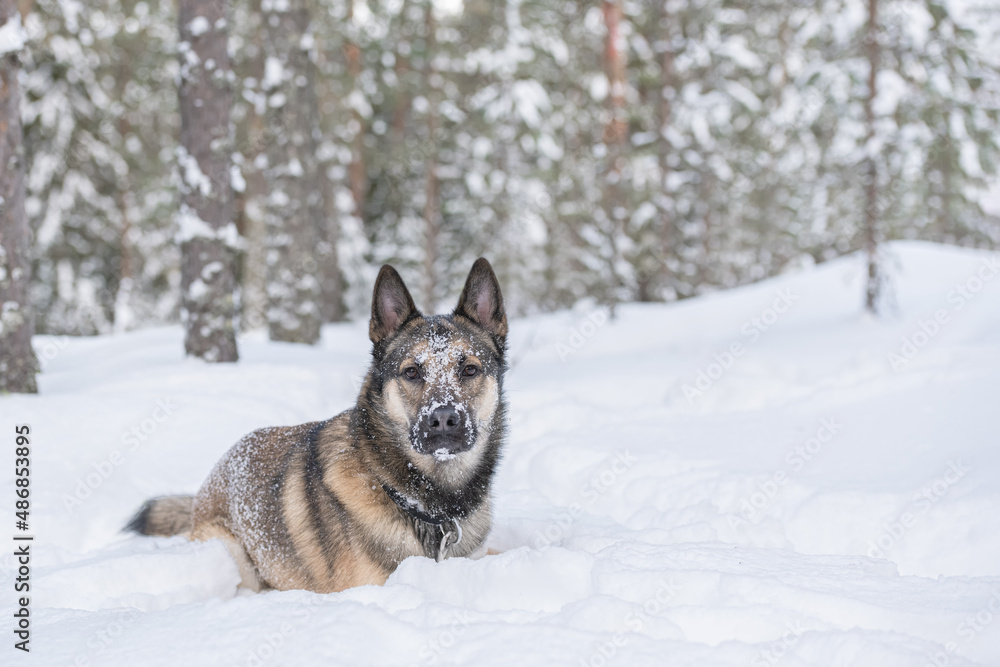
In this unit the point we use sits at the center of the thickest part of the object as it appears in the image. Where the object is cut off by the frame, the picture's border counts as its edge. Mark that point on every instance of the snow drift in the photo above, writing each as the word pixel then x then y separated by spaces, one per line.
pixel 760 476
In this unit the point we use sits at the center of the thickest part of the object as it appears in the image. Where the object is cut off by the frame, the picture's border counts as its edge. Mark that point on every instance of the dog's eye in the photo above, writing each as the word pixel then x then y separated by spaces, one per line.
pixel 411 373
pixel 470 370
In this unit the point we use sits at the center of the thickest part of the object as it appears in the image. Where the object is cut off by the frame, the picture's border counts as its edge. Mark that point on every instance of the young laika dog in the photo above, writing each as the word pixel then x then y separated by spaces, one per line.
pixel 406 472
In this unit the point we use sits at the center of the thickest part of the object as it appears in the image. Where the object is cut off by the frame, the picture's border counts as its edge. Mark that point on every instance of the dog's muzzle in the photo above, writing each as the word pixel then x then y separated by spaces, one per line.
pixel 444 432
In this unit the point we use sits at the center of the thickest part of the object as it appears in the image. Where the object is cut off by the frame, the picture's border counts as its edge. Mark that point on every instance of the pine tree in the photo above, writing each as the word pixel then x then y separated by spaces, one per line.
pixel 956 108
pixel 345 82
pixel 614 144
pixel 906 133
pixel 100 119
pixel 873 286
pixel 17 360
pixel 207 231
pixel 402 219
pixel 708 145
pixel 503 147
pixel 665 91
pixel 252 137
pixel 338 64
pixel 295 200
pixel 584 243
pixel 431 194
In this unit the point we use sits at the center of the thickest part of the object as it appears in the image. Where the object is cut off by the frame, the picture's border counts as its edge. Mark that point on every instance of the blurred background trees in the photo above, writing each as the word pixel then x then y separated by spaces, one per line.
pixel 617 150
pixel 18 363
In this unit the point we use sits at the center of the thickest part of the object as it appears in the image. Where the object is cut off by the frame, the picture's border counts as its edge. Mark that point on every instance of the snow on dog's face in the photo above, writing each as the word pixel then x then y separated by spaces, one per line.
pixel 440 376
pixel 445 387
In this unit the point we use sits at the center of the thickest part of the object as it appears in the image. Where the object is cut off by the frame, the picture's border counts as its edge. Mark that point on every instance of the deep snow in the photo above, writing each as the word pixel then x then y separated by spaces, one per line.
pixel 712 482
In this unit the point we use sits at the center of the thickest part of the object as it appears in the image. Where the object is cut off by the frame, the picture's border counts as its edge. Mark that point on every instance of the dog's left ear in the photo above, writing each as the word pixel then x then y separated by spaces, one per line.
pixel 392 305
pixel 481 300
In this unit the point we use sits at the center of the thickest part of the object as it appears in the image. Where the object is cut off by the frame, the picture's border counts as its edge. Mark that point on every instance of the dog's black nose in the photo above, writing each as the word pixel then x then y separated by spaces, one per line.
pixel 444 420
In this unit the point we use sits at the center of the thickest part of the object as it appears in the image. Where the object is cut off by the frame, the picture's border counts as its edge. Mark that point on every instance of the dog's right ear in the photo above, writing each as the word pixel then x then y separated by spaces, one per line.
pixel 392 305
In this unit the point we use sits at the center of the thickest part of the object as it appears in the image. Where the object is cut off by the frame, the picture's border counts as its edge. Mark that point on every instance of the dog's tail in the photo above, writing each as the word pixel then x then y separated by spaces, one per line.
pixel 163 516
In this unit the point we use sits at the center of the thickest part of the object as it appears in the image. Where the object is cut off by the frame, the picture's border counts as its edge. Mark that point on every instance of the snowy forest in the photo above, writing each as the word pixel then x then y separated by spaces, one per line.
pixel 249 164
pixel 727 376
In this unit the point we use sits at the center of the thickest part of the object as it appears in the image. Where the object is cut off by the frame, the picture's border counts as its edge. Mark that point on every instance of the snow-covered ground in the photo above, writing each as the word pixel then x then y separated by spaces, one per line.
pixel 746 478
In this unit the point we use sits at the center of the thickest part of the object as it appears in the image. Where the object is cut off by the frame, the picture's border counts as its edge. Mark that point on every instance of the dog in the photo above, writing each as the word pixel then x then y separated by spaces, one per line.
pixel 330 505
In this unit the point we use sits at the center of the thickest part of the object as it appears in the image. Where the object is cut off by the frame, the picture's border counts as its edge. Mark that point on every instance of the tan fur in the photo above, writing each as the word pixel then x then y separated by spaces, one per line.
pixel 238 506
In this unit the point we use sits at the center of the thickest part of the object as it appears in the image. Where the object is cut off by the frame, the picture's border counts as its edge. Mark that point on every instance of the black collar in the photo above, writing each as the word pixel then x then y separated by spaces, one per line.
pixel 412 509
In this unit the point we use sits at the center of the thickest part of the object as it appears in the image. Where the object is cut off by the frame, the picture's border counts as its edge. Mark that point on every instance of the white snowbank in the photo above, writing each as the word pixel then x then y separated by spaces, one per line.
pixel 748 478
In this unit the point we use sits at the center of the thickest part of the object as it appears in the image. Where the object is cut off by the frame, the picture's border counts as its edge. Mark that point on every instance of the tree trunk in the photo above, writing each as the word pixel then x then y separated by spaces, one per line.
pixel 874 283
pixel 401 103
pixel 294 202
pixel 208 233
pixel 334 309
pixel 356 170
pixel 664 112
pixel 432 221
pixel 332 278
pixel 123 315
pixel 615 135
pixel 18 364
pixel 705 264
pixel 254 293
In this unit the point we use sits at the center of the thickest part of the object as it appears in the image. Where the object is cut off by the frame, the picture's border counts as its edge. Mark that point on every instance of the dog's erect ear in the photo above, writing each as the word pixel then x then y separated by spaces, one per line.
pixel 392 305
pixel 481 300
